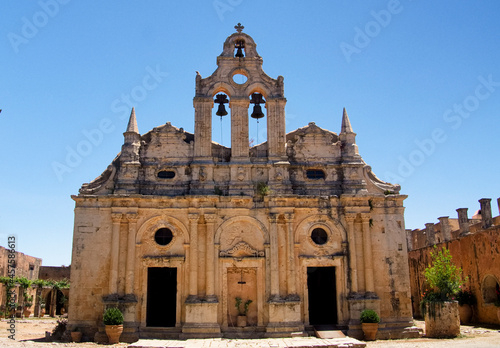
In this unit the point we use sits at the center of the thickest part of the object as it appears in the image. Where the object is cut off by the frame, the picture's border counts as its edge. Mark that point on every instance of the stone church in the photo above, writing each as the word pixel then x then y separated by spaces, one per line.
pixel 179 226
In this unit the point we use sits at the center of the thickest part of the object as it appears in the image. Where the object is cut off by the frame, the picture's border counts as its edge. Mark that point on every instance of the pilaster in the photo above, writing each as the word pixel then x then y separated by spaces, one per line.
pixel 276 128
pixel 130 269
pixel 367 251
pixel 115 249
pixel 352 252
pixel 239 129
pixel 203 128
pixel 273 240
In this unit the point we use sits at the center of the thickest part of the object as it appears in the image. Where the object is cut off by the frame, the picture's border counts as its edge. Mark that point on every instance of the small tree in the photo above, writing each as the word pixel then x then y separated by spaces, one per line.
pixel 443 276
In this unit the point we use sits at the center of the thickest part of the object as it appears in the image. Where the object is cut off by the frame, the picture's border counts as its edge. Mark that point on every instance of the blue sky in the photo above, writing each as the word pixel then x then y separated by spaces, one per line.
pixel 420 81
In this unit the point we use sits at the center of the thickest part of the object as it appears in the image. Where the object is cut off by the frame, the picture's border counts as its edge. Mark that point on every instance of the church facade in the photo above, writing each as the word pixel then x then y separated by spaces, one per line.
pixel 298 229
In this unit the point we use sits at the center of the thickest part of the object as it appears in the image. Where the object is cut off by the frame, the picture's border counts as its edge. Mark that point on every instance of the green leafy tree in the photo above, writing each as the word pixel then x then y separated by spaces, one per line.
pixel 443 276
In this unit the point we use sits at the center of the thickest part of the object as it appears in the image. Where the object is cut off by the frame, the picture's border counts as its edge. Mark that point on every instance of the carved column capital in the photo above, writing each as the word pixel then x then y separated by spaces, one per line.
pixel 349 218
pixel 365 217
pixel 289 217
pixel 210 218
pixel 132 217
pixel 116 217
pixel 273 217
pixel 193 217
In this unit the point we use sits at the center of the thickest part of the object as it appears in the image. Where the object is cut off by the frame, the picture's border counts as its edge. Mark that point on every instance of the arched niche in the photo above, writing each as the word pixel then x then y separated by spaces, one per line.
pixel 241 229
pixel 146 232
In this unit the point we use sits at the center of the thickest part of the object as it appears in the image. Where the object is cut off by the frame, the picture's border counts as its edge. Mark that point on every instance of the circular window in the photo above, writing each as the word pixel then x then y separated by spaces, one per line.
pixel 319 236
pixel 163 236
pixel 240 79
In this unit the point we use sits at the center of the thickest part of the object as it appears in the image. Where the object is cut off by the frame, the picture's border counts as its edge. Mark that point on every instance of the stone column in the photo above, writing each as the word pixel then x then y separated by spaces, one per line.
pixel 367 251
pixel 352 252
pixel 445 228
pixel 409 239
pixel 239 128
pixel 273 234
pixel 276 127
pixel 430 233
pixel 291 281
pixel 193 255
pixel 115 249
pixel 203 127
pixel 132 230
pixel 487 219
pixel 463 221
pixel 210 261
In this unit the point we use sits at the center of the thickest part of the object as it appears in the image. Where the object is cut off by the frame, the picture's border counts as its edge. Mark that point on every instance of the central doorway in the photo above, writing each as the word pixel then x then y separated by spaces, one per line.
pixel 322 295
pixel 162 297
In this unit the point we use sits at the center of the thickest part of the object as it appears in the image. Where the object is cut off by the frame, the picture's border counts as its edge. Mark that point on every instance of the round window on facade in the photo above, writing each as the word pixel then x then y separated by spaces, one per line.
pixel 163 236
pixel 319 236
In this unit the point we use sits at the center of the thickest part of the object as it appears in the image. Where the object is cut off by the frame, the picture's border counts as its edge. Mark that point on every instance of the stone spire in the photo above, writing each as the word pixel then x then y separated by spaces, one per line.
pixel 132 135
pixel 347 137
pixel 132 123
pixel 346 124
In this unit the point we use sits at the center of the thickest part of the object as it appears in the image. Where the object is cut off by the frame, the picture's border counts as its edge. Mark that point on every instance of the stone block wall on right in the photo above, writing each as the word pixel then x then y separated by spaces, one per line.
pixel 475 247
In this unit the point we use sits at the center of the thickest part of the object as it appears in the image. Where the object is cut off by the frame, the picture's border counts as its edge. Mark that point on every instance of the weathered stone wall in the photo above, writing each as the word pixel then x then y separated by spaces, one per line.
pixel 55 273
pixel 477 252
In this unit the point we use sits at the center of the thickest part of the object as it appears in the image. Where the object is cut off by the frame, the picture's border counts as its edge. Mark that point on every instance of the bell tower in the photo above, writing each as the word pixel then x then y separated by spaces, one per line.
pixel 239 57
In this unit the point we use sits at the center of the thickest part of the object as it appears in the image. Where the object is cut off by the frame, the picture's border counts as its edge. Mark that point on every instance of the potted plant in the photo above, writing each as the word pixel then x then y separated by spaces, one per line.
pixel 19 310
pixel 438 306
pixel 63 301
pixel 28 302
pixel 76 334
pixel 113 321
pixel 241 320
pixel 41 301
pixel 466 300
pixel 369 324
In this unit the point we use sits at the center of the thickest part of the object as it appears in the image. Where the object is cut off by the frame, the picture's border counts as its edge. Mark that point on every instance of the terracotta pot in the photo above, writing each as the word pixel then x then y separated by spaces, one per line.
pixel 465 312
pixel 76 336
pixel 114 332
pixel 442 319
pixel 42 312
pixel 27 312
pixel 370 331
pixel 241 321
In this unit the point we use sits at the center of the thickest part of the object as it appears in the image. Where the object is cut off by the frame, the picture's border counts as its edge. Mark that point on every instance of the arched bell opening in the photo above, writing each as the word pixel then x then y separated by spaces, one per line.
pixel 257 125
pixel 221 124
pixel 239 49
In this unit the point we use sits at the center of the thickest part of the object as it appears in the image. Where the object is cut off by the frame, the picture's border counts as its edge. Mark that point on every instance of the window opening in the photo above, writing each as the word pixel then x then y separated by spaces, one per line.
pixel 166 174
pixel 163 236
pixel 315 174
pixel 319 236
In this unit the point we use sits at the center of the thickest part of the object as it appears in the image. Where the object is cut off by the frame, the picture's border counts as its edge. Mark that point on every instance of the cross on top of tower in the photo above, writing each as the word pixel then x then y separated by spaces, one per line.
pixel 239 27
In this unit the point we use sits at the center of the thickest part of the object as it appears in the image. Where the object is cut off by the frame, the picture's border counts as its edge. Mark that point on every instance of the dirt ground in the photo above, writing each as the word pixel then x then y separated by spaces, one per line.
pixel 31 333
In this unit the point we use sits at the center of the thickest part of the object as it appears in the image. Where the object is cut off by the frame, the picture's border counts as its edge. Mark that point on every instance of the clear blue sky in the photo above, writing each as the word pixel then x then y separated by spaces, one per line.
pixel 420 81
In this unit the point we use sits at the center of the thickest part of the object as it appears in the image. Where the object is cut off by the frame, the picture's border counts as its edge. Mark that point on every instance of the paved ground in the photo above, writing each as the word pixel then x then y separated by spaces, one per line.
pixel 31 333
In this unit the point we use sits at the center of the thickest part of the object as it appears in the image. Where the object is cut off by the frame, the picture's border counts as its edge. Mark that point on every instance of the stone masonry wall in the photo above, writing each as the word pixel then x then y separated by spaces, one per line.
pixel 476 249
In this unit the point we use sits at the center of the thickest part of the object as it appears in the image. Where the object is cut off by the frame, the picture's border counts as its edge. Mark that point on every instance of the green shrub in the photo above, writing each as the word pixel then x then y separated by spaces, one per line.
pixel 443 276
pixel 369 316
pixel 113 316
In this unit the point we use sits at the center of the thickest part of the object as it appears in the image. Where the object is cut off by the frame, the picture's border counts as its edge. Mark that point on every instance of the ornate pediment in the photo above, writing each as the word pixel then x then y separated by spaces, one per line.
pixel 242 249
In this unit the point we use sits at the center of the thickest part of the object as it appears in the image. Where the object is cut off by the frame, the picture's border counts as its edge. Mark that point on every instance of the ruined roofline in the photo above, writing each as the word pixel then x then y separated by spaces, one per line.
pixel 448 229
